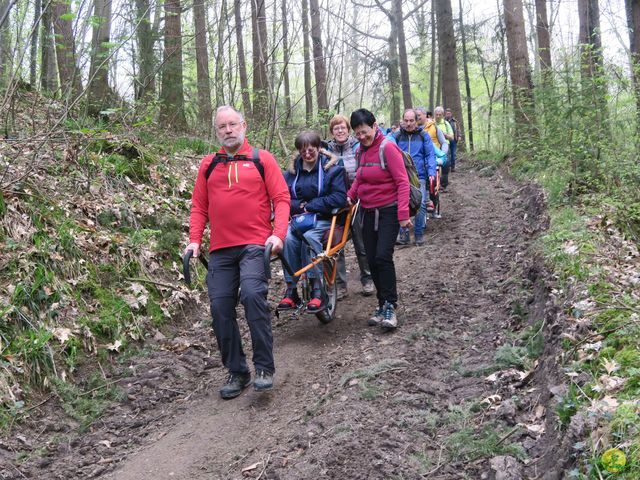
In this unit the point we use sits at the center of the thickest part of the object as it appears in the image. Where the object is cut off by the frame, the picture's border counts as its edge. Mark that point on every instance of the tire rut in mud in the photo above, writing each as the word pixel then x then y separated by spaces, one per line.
pixel 350 401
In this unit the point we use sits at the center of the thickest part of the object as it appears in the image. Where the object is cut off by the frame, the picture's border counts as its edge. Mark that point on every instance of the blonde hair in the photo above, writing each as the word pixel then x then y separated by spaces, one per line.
pixel 337 120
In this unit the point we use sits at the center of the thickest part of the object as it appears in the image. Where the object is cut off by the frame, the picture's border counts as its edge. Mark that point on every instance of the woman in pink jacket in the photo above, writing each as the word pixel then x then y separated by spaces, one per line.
pixel 384 199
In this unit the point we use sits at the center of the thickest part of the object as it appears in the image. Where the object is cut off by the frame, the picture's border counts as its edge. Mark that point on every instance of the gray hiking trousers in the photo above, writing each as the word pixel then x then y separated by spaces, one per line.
pixel 230 268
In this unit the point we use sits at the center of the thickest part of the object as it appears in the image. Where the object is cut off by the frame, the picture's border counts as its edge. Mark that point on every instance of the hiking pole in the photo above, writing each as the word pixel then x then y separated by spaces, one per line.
pixel 185 265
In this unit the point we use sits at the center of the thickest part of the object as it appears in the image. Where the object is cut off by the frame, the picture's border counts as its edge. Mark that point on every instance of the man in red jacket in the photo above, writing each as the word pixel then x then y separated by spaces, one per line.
pixel 235 192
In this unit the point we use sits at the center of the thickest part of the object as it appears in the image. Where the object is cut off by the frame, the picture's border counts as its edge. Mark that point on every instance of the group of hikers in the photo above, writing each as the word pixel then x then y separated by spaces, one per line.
pixel 249 203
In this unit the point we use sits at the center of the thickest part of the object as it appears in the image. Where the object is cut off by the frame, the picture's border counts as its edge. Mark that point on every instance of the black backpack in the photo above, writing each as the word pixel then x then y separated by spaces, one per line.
pixel 224 158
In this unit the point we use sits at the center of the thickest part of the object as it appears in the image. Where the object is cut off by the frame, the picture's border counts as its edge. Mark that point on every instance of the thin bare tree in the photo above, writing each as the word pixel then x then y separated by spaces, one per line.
pixel 48 67
pixel 308 95
pixel 448 59
pixel 172 91
pixel 202 65
pixel 467 83
pixel 145 84
pixel 66 50
pixel 319 66
pixel 260 81
pixel 242 64
pixel 519 69
pixel 98 91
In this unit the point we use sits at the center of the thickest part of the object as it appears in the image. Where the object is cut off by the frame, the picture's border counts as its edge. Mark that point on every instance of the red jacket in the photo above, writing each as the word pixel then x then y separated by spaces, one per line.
pixel 237 202
pixel 376 187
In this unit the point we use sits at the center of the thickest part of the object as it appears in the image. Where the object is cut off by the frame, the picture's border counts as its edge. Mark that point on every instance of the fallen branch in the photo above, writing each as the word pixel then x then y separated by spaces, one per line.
pixel 153 282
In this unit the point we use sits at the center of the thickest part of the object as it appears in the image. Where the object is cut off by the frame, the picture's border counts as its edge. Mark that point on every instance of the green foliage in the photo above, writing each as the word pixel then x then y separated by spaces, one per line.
pixel 36 355
pixel 88 405
pixel 568 405
pixel 195 145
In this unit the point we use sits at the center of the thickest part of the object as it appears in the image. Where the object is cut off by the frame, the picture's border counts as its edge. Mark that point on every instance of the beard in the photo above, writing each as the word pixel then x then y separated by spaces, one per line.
pixel 233 143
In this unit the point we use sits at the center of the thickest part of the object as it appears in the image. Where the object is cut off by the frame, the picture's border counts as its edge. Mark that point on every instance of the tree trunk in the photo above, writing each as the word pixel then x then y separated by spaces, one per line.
pixel 467 84
pixel 432 69
pixel 48 67
pixel 172 93
pixel 519 69
pixel 242 65
pixel 448 59
pixel 318 59
pixel 544 41
pixel 146 82
pixel 5 43
pixel 259 40
pixel 98 91
pixel 633 22
pixel 402 54
pixel 285 55
pixel 66 50
pixel 438 82
pixel 591 56
pixel 394 76
pixel 202 65
pixel 218 52
pixel 33 58
pixel 308 95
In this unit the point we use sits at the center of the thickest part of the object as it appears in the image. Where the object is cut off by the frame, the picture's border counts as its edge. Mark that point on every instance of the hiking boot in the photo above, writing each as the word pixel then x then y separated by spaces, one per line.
pixel 389 321
pixel 376 318
pixel 291 299
pixel 419 240
pixel 342 292
pixel 368 288
pixel 315 304
pixel 235 383
pixel 263 381
pixel 403 237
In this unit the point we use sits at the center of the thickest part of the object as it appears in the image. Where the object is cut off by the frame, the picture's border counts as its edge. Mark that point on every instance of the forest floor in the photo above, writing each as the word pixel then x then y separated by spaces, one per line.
pixel 442 397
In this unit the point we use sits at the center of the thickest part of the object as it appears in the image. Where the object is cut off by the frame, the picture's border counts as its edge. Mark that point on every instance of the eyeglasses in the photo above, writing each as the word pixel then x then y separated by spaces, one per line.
pixel 340 127
pixel 302 151
pixel 231 125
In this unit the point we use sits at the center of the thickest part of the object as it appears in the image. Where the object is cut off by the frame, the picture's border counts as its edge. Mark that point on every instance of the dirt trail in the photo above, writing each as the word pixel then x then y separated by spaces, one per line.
pixel 350 401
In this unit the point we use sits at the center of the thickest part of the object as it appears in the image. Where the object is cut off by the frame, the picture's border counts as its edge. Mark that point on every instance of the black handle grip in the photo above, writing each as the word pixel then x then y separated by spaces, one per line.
pixel 267 260
pixel 185 266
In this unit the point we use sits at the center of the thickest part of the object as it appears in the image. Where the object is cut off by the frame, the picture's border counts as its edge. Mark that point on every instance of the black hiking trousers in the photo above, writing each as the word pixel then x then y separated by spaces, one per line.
pixel 379 232
pixel 230 268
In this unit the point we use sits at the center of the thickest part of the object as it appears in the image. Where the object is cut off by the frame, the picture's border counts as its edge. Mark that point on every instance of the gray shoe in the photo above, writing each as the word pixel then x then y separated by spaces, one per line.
pixel 389 320
pixel 376 318
pixel 368 289
pixel 419 240
pixel 342 292
pixel 263 381
pixel 403 237
pixel 236 382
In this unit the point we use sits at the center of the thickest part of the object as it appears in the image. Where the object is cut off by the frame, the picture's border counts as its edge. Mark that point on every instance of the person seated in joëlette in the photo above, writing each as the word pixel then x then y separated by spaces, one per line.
pixel 317 186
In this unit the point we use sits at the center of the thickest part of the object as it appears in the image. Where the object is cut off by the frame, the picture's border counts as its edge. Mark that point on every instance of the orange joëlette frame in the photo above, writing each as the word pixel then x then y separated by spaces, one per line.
pixel 330 251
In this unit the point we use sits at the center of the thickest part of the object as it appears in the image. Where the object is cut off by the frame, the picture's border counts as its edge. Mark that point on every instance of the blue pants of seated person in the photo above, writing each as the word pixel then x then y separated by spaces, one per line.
pixel 296 251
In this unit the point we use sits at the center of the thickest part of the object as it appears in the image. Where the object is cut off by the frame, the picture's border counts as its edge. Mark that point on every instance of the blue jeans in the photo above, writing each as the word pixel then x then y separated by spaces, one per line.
pixel 453 146
pixel 296 251
pixel 421 216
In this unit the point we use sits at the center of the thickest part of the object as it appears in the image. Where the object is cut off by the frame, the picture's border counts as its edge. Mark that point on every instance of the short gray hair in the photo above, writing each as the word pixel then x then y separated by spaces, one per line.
pixel 438 110
pixel 222 108
pixel 421 110
pixel 409 110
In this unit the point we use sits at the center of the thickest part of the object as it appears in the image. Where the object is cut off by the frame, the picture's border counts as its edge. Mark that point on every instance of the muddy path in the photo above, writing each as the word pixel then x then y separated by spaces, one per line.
pixel 350 401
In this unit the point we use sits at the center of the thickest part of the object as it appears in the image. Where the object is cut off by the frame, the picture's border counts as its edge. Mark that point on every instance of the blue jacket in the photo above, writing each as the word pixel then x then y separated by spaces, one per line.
pixel 334 188
pixel 418 144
